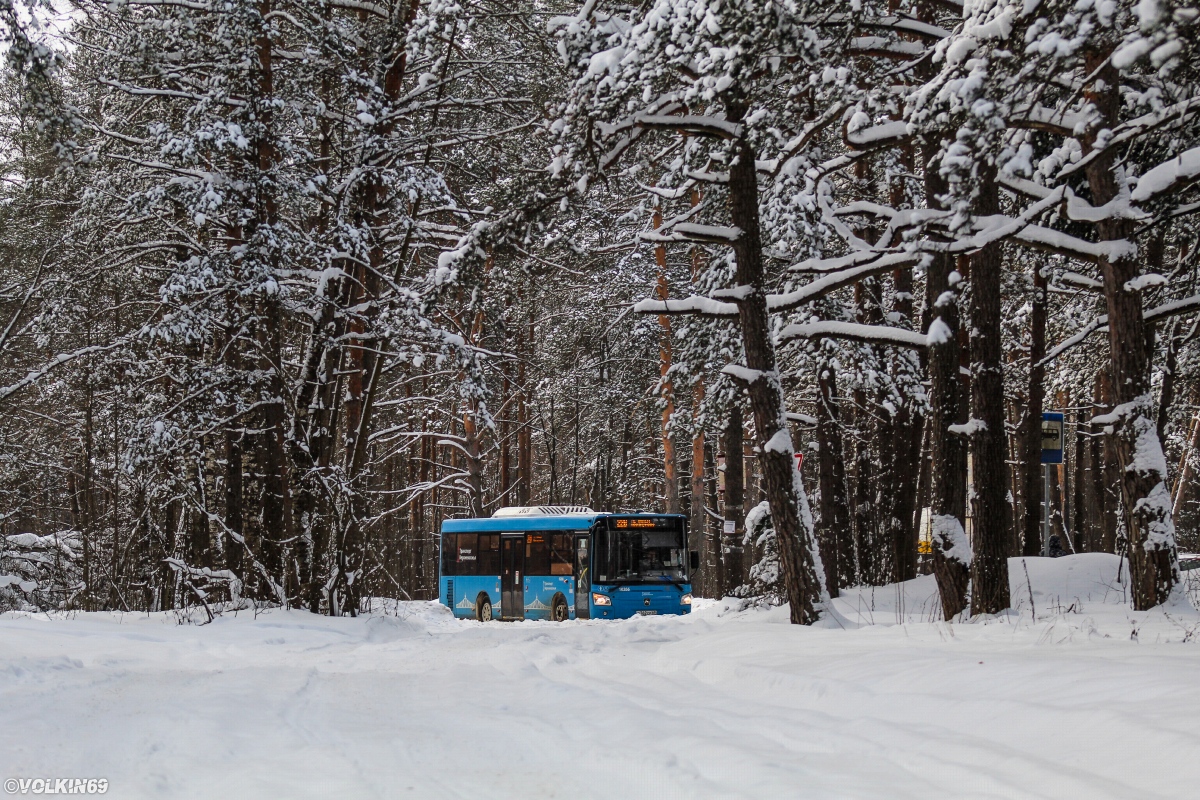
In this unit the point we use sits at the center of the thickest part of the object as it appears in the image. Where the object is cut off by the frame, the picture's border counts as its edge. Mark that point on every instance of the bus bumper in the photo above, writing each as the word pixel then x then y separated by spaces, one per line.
pixel 640 600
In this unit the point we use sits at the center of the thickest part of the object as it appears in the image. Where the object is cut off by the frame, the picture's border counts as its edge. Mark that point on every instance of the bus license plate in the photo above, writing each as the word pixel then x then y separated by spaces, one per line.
pixel 647 612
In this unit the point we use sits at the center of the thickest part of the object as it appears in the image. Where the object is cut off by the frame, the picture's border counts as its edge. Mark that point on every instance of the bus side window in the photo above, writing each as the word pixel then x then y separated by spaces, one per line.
pixel 468 554
pixel 489 554
pixel 560 554
pixel 449 554
pixel 537 554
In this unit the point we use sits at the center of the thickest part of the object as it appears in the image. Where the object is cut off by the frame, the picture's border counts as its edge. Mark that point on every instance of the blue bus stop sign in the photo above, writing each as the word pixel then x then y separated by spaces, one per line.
pixel 1052 437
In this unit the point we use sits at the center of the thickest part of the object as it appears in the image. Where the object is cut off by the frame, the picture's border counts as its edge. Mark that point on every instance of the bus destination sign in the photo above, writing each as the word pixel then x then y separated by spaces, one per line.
pixel 645 523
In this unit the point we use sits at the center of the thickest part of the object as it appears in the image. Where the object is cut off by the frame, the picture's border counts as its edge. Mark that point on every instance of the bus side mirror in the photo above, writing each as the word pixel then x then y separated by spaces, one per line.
pixel 694 559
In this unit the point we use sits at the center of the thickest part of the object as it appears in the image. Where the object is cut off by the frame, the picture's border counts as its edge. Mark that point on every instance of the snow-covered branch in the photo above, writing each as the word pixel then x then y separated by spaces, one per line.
pixel 1168 177
pixel 883 262
pixel 853 331
pixel 1174 308
pixel 683 123
pixel 696 304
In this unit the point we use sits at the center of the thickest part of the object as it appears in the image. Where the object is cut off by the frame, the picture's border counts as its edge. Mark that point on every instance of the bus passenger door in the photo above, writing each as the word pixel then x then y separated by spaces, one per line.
pixel 512 564
pixel 583 578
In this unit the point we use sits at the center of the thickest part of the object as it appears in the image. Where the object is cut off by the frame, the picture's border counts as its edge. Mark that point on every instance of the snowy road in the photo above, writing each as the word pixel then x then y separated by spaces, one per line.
pixel 717 704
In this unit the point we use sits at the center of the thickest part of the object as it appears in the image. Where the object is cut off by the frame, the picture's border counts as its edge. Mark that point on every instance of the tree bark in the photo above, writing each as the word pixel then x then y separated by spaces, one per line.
pixel 1097 504
pixel 700 527
pixel 662 290
pixel 1031 433
pixel 473 456
pixel 270 455
pixel 235 526
pixel 1079 485
pixel 836 537
pixel 1153 560
pixel 732 549
pixel 524 420
pixel 802 578
pixel 1184 473
pixel 696 506
pixel 989 567
pixel 1170 367
pixel 505 434
pixel 924 490
pixel 711 543
pixel 951 553
pixel 903 471
pixel 874 556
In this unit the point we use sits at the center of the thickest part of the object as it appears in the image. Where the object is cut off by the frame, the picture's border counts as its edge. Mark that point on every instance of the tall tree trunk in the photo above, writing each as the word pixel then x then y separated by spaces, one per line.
pixel 524 418
pixel 732 549
pixel 351 544
pixel 1097 515
pixel 903 472
pixel 698 516
pixel 835 534
pixel 1107 474
pixel 863 516
pixel 1058 509
pixel 947 453
pixel 309 445
pixel 802 575
pixel 88 501
pixel 271 454
pixel 236 558
pixel 116 599
pixel 1184 473
pixel 711 545
pixel 311 434
pixel 752 552
pixel 872 424
pixel 1079 500
pixel 906 472
pixel 1031 433
pixel 363 350
pixel 505 434
pixel 663 291
pixel 1155 257
pixel 472 432
pixel 989 568
pixel 473 457
pixel 425 473
pixel 1153 560
pixel 924 489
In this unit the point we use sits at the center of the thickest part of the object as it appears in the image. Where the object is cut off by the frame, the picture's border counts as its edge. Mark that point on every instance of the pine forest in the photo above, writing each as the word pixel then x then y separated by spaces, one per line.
pixel 285 284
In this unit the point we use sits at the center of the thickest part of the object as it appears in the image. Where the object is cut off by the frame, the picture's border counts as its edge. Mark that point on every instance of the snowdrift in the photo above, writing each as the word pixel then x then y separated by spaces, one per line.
pixel 1071 694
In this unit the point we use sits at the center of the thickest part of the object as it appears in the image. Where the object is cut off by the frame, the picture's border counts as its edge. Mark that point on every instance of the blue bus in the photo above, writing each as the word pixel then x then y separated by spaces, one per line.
pixel 560 563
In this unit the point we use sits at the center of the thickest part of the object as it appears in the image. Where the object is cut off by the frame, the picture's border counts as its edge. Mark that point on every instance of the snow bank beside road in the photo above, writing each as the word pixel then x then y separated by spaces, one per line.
pixel 1065 590
pixel 1090 700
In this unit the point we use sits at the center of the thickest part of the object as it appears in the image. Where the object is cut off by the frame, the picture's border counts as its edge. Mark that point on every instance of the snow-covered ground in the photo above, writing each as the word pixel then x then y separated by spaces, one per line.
pixel 1088 700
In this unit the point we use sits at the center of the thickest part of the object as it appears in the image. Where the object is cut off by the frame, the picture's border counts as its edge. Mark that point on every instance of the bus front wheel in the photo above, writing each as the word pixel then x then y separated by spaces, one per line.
pixel 483 608
pixel 558 609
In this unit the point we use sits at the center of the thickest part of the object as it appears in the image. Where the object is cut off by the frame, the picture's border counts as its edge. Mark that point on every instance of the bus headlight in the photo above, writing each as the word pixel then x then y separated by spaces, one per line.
pixel 601 599
pixel 686 600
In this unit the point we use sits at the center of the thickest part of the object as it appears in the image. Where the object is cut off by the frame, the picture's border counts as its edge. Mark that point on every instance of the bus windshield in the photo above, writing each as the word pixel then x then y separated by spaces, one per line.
pixel 630 555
